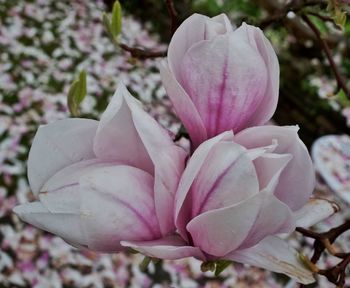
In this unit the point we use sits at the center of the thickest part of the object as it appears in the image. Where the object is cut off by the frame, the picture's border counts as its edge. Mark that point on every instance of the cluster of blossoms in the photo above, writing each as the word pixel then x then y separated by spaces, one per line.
pixel 122 182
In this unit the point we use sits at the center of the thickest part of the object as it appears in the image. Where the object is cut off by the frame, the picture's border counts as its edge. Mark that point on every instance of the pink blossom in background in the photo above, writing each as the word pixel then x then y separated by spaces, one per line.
pixel 346 113
pixel 103 182
pixel 218 78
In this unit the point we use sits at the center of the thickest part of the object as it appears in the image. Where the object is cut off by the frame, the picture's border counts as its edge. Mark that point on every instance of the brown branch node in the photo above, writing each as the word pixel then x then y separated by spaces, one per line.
pixel 141 53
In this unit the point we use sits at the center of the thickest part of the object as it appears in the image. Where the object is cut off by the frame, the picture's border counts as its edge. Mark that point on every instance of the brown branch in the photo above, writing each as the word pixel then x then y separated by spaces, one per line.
pixel 323 241
pixel 173 15
pixel 338 76
pixel 141 53
pixel 147 54
pixel 336 274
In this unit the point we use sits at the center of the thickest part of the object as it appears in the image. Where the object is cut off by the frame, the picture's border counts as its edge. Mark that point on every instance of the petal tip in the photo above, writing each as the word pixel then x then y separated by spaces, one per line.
pixel 18 210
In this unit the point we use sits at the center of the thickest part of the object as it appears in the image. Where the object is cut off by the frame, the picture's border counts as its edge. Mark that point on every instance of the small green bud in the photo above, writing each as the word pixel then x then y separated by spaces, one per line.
pixel 77 93
pixel 107 24
pixel 116 21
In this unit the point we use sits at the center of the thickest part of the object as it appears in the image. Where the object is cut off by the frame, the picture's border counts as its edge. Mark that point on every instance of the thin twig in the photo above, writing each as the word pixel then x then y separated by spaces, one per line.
pixel 173 15
pixel 294 6
pixel 321 17
pixel 141 53
pixel 338 76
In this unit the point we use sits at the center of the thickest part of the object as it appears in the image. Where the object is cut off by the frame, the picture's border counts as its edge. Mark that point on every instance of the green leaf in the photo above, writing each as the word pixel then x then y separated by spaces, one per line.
pixel 337 11
pixel 221 265
pixel 343 99
pixel 73 109
pixel 340 18
pixel 116 22
pixel 77 93
pixel 321 26
pixel 107 24
pixel 81 89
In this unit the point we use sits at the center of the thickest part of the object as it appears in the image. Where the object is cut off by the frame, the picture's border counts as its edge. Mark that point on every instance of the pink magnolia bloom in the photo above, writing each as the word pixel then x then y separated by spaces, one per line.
pixel 98 183
pixel 218 78
pixel 238 193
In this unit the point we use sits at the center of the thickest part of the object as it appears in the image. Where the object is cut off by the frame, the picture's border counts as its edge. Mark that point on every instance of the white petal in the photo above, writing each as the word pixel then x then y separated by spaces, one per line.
pixel 65 225
pixel 315 211
pixel 58 145
pixel 275 255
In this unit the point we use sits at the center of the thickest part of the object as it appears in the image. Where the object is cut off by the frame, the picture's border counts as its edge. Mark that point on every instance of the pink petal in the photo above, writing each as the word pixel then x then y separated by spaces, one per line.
pixel 191 31
pixel 117 204
pixel 117 137
pixel 194 29
pixel 169 248
pixel 227 177
pixel 297 180
pixel 270 166
pixel 218 232
pixel 315 211
pixel 182 200
pixel 275 255
pixel 275 217
pixel 58 145
pixel 168 160
pixel 222 76
pixel 217 25
pixel 183 106
pixel 255 37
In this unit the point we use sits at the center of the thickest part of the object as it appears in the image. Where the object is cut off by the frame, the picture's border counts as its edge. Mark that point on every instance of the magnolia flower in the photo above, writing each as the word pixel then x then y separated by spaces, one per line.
pixel 238 193
pixel 218 78
pixel 98 183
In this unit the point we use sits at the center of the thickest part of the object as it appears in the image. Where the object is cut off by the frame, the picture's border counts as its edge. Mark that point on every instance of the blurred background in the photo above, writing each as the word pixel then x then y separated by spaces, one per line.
pixel 43 46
